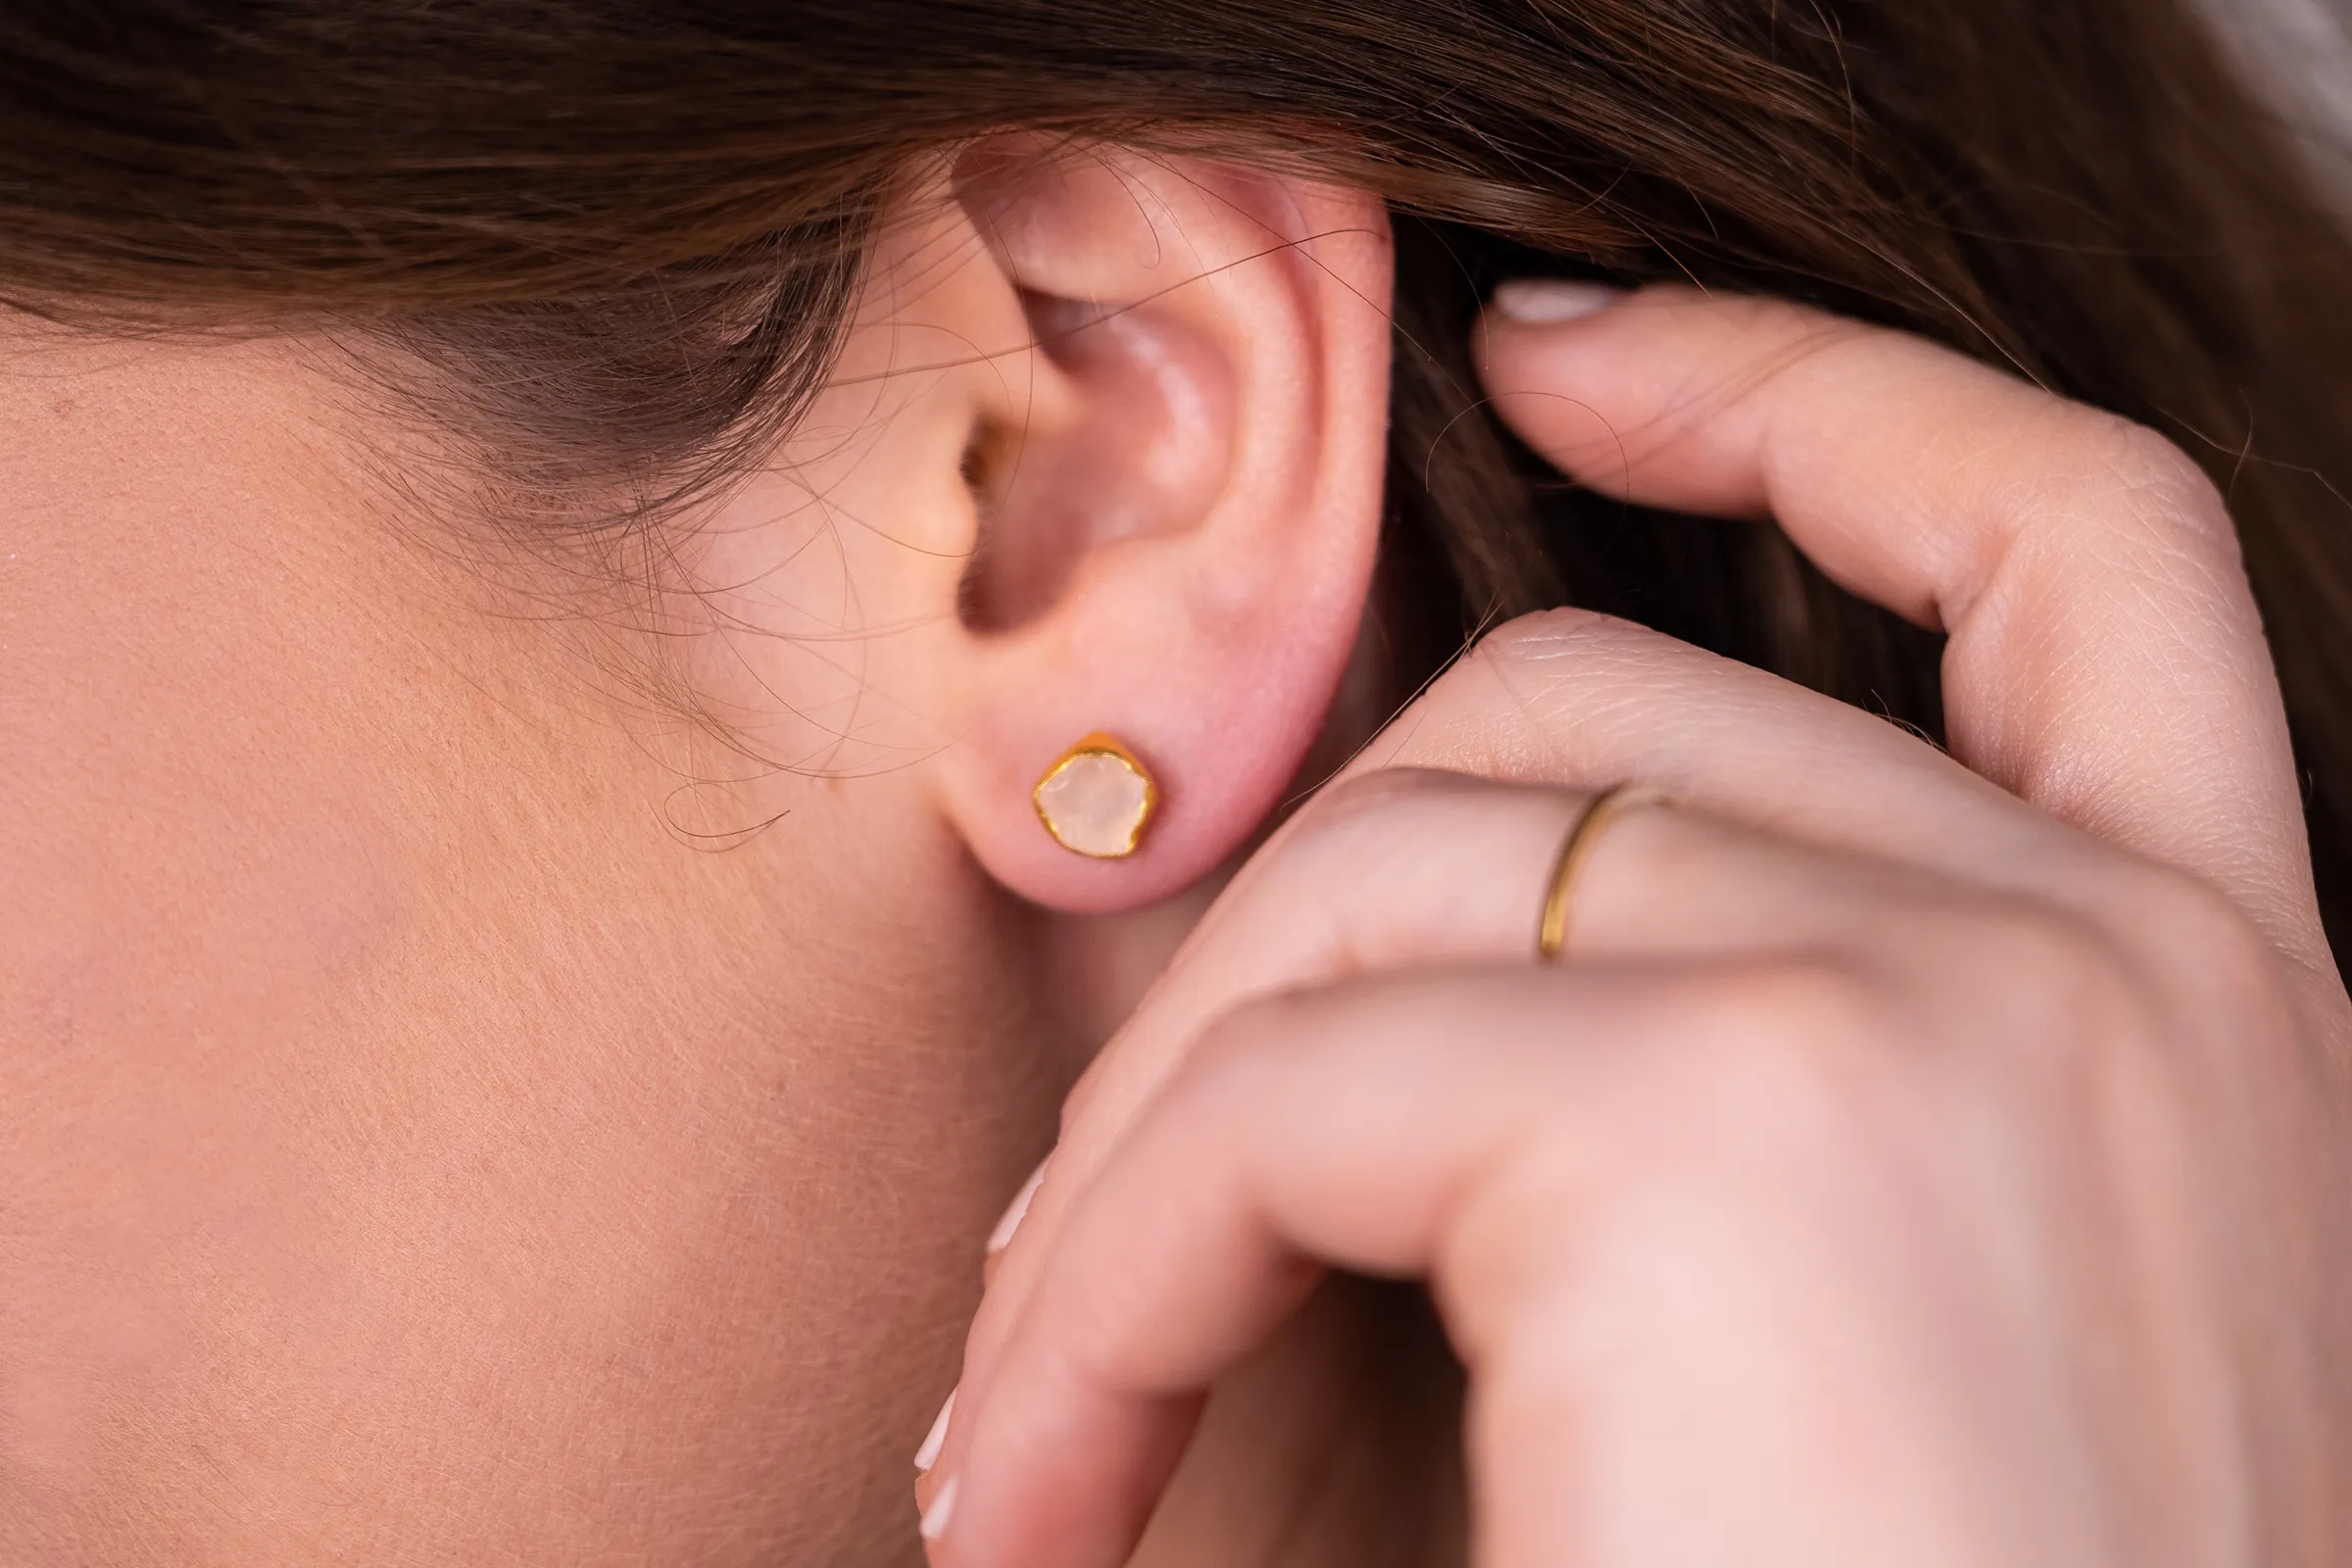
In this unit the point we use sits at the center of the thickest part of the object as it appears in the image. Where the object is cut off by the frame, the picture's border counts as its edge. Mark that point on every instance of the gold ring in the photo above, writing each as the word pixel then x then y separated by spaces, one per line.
pixel 1551 933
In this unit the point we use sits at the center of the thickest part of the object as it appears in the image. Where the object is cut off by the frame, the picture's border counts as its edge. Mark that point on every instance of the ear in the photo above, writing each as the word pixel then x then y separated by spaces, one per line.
pixel 1177 519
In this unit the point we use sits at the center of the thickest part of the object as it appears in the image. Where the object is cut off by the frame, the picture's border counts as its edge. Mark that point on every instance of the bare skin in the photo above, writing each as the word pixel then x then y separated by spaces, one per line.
pixel 1921 1159
pixel 414 1152
pixel 433 1129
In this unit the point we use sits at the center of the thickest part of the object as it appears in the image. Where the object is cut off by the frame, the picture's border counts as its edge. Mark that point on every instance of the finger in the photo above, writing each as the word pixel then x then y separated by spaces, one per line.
pixel 1404 868
pixel 1406 865
pixel 1666 1283
pixel 2106 660
pixel 1412 867
pixel 1571 698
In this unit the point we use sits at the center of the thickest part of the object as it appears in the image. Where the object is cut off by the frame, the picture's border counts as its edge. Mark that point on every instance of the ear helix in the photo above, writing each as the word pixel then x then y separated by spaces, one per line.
pixel 1097 798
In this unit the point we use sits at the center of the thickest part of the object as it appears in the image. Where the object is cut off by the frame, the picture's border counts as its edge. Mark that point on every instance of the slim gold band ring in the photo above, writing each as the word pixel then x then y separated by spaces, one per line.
pixel 1551 933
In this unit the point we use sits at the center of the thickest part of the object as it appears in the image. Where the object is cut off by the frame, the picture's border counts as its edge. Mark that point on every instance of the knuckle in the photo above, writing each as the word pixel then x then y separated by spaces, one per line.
pixel 1985 974
pixel 2157 488
pixel 2081 1065
pixel 1800 1041
pixel 1312 1045
pixel 2151 462
pixel 1522 688
pixel 1821 1005
pixel 2197 935
pixel 1244 1031
pixel 2060 984
pixel 2018 1012
pixel 1543 635
pixel 1837 1067
pixel 2072 1011
pixel 1536 667
pixel 1239 1049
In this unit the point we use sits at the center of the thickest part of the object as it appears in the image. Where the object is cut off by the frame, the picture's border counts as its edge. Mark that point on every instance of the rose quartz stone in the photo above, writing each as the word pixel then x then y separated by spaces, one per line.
pixel 1095 803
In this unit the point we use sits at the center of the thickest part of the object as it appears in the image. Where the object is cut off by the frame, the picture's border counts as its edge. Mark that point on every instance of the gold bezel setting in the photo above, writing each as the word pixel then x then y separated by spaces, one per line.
pixel 1099 746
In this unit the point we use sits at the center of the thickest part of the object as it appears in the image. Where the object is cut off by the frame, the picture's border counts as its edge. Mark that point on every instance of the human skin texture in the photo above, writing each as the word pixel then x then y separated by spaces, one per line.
pixel 1918 1156
pixel 416 1148
pixel 509 1059
pixel 503 1062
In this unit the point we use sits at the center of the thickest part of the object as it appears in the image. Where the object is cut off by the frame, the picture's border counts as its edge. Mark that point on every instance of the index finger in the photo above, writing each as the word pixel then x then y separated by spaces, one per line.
pixel 2105 658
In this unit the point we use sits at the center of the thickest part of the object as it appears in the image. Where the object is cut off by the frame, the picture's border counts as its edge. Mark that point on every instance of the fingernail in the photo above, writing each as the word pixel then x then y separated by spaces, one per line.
pixel 1017 1210
pixel 943 1505
pixel 1549 301
pixel 928 1455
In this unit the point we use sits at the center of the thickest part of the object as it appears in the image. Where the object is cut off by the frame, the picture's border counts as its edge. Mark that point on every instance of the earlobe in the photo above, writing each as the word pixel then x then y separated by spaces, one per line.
pixel 1177 522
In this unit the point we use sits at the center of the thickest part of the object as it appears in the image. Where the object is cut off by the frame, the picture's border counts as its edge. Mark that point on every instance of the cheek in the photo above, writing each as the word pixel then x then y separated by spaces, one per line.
pixel 689 1230
pixel 414 1136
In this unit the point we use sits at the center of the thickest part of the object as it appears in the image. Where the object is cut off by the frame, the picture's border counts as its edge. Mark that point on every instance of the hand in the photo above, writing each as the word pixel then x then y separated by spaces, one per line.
pixel 1920 1158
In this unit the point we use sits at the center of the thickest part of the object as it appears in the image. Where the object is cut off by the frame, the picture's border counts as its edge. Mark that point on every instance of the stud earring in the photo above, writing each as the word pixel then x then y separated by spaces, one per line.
pixel 1098 798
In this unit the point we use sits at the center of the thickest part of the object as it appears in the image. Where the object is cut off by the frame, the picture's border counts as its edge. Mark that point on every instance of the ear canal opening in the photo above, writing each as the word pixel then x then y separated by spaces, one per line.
pixel 1015 575
pixel 983 456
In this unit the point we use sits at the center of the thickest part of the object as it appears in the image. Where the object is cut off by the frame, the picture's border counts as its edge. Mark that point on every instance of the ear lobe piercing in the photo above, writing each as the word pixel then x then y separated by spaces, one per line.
pixel 1098 798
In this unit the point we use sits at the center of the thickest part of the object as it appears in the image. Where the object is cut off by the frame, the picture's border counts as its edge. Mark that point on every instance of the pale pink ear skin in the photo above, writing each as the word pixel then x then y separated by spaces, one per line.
pixel 1178 540
pixel 1214 792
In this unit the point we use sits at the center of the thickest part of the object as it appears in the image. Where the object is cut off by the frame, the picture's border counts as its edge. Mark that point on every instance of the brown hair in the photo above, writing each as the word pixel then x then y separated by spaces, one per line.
pixel 622 235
